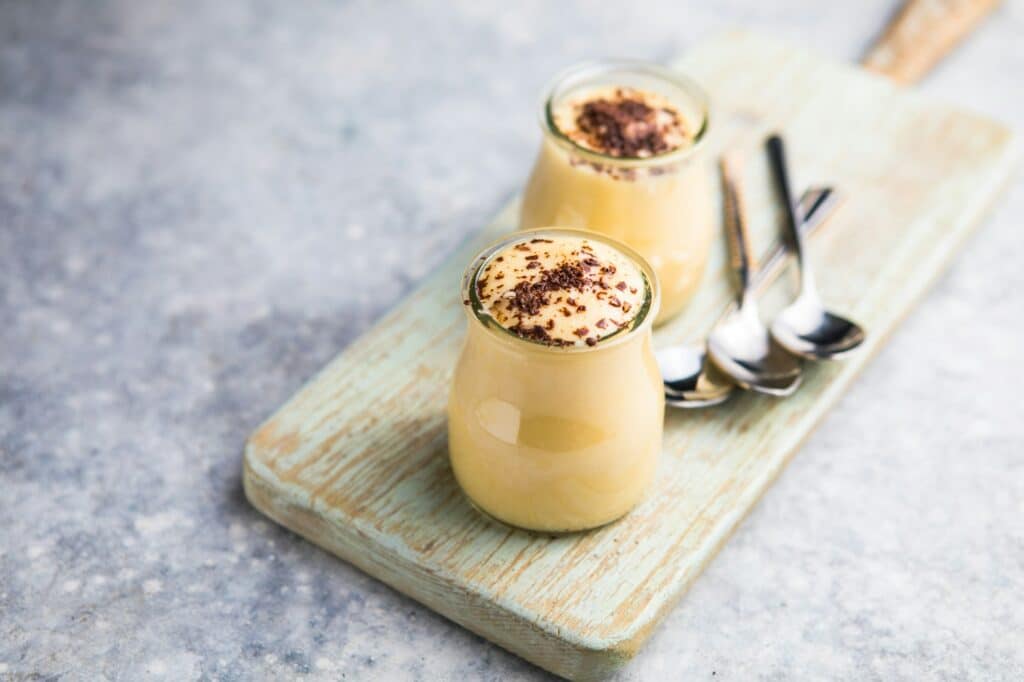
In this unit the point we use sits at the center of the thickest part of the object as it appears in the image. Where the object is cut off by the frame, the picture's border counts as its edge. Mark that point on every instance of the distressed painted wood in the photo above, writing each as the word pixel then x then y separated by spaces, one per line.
pixel 356 461
pixel 922 33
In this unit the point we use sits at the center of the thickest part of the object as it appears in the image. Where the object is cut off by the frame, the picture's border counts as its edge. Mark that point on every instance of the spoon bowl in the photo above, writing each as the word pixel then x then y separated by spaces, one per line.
pixel 806 329
pixel 690 380
pixel 742 348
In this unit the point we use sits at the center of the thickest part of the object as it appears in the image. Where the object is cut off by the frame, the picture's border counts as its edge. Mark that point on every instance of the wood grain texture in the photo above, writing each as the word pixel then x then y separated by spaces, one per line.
pixel 356 461
pixel 921 34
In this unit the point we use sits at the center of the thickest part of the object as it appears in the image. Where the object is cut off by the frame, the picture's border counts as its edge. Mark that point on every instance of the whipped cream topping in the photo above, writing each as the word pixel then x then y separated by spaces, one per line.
pixel 622 122
pixel 561 290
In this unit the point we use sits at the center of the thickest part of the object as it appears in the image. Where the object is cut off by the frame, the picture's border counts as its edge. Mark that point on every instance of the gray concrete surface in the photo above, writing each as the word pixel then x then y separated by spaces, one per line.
pixel 202 202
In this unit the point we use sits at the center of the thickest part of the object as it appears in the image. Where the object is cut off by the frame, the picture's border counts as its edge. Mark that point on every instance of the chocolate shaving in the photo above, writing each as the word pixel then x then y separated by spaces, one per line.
pixel 536 333
pixel 528 298
pixel 626 127
pixel 566 276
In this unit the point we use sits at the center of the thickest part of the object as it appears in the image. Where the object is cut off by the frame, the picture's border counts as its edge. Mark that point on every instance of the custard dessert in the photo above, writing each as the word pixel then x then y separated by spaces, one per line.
pixel 556 406
pixel 622 155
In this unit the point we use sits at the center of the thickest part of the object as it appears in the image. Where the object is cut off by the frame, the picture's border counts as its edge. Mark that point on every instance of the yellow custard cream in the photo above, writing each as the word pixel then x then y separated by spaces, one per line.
pixel 566 292
pixel 623 155
pixel 556 406
pixel 622 122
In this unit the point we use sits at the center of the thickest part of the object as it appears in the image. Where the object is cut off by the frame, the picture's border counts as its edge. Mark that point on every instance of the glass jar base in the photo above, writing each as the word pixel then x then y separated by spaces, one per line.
pixel 544 531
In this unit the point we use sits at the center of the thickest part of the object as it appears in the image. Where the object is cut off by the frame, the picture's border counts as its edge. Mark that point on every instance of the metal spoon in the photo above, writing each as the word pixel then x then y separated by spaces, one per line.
pixel 806 328
pixel 740 345
pixel 691 380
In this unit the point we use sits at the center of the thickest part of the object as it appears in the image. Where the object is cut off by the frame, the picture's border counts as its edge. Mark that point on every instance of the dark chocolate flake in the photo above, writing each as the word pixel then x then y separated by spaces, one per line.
pixel 622 127
pixel 535 333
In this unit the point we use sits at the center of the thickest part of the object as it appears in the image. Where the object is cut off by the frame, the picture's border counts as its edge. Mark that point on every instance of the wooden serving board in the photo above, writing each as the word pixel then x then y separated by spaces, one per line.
pixel 357 462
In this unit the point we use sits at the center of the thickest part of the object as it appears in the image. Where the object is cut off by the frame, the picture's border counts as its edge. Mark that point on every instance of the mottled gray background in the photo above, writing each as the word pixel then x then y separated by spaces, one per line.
pixel 202 202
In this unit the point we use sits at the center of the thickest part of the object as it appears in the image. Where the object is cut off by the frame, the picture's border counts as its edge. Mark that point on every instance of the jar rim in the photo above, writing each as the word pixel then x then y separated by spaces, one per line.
pixel 567 77
pixel 475 311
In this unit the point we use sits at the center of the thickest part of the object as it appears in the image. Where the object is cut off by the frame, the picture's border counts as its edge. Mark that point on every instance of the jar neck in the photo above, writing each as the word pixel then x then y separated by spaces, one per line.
pixel 498 343
pixel 480 319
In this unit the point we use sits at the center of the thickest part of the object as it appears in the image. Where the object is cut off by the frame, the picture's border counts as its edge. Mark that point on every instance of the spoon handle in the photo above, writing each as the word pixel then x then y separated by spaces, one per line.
pixel 816 206
pixel 736 226
pixel 777 157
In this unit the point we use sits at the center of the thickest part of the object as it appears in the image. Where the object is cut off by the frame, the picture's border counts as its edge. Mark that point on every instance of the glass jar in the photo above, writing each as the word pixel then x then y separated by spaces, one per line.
pixel 659 205
pixel 555 438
